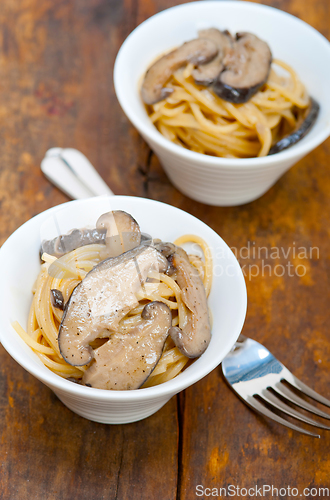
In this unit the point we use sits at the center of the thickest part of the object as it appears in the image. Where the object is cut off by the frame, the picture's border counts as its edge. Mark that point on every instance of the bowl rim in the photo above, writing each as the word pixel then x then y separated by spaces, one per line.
pixel 297 150
pixel 57 383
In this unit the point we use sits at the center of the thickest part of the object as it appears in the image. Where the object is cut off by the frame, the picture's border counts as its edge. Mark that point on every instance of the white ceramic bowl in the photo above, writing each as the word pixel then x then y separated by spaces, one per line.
pixel 20 266
pixel 221 181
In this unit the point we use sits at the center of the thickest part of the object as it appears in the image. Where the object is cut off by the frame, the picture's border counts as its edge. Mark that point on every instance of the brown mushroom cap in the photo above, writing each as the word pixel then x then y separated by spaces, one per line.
pixel 205 74
pixel 102 299
pixel 126 361
pixel 247 67
pixel 197 51
pixel 117 229
pixel 195 335
pixel 76 238
pixel 122 232
pixel 57 299
pixel 303 126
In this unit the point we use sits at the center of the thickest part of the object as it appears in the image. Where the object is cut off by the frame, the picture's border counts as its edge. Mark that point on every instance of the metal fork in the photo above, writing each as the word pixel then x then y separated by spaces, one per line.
pixel 264 384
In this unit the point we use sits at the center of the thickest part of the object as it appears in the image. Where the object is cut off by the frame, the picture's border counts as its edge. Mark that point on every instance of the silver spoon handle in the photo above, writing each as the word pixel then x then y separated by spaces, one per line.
pixel 69 170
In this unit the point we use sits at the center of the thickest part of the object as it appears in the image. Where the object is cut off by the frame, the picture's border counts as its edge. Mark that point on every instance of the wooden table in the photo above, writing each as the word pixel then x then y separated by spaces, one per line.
pixel 56 60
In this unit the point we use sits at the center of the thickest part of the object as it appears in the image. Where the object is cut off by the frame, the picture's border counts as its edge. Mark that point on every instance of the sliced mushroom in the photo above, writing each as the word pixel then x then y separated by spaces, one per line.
pixel 166 248
pixel 76 238
pixel 117 229
pixel 146 239
pixel 205 74
pixel 102 299
pixel 122 232
pixel 247 67
pixel 57 299
pixel 197 51
pixel 126 361
pixel 195 335
pixel 303 127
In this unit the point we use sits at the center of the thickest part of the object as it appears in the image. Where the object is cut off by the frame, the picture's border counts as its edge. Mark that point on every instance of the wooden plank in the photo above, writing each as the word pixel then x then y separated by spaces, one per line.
pixel 50 452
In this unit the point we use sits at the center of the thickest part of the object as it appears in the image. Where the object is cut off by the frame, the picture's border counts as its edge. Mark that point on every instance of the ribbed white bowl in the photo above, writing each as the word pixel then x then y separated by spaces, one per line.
pixel 221 181
pixel 117 412
pixel 20 266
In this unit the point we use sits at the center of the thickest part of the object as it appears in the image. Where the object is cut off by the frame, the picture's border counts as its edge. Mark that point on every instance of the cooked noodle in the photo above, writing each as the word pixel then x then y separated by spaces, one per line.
pixel 194 117
pixel 65 274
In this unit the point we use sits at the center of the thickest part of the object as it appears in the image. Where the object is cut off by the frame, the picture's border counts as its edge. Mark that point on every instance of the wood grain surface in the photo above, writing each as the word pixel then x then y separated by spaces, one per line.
pixel 56 60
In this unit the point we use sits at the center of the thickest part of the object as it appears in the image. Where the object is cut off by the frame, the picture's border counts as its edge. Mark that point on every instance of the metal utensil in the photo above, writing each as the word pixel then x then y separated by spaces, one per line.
pixel 73 173
pixel 263 383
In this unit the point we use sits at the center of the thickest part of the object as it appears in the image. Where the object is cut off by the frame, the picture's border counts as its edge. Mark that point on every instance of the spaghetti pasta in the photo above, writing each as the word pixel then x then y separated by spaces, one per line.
pixel 65 273
pixel 194 117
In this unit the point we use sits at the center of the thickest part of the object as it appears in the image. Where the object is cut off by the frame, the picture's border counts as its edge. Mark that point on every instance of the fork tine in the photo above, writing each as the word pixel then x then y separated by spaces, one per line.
pixel 257 406
pixel 280 405
pixel 281 389
pixel 305 389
